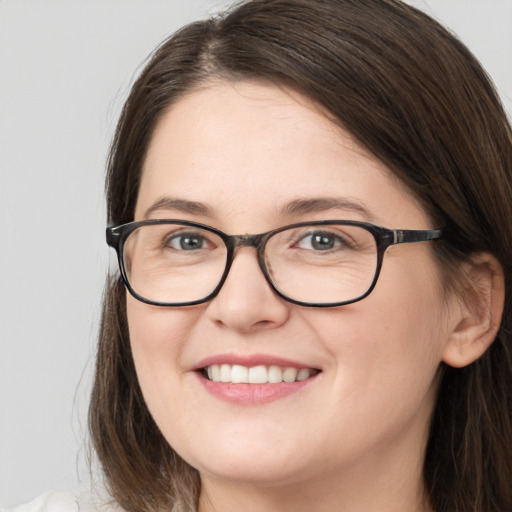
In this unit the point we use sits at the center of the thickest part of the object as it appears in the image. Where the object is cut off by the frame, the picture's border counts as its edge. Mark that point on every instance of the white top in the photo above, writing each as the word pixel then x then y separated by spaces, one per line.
pixel 63 502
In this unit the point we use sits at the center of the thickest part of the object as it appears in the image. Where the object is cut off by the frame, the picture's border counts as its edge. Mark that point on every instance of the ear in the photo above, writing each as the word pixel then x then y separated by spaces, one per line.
pixel 481 298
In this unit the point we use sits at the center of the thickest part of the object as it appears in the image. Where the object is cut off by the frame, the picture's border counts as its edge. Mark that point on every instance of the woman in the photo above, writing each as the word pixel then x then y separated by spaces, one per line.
pixel 331 365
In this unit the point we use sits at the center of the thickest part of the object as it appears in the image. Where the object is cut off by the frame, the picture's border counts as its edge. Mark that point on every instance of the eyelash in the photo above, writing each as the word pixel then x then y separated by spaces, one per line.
pixel 167 241
pixel 339 239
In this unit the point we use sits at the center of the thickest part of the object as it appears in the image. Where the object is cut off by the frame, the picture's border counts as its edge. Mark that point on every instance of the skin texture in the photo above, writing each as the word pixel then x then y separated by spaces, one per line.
pixel 353 438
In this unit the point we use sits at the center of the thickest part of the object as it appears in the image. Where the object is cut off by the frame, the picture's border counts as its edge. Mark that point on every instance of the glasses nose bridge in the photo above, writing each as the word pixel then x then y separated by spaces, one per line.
pixel 256 241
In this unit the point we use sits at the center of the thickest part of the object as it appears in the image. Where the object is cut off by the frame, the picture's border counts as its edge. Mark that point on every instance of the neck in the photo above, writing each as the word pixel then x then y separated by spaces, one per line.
pixel 366 488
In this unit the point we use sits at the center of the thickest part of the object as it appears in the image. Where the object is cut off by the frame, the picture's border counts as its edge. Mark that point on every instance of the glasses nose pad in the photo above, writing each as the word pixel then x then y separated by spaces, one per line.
pixel 266 267
pixel 257 242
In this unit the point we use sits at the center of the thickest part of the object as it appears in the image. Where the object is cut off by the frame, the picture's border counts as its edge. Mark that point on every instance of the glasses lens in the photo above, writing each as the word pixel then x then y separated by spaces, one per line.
pixel 322 264
pixel 174 263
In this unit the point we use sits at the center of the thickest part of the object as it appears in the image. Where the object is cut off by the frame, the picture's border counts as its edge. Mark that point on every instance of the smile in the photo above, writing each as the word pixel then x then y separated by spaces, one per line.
pixel 261 374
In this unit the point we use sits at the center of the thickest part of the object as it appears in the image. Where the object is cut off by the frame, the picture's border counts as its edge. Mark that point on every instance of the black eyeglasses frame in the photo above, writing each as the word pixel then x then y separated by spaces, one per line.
pixel 116 237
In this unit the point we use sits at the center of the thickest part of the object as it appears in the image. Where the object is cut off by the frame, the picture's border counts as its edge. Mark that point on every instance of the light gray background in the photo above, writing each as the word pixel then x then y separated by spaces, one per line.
pixel 65 69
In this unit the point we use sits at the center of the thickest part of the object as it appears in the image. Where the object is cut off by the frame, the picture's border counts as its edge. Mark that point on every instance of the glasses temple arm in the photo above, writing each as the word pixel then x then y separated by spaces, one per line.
pixel 405 236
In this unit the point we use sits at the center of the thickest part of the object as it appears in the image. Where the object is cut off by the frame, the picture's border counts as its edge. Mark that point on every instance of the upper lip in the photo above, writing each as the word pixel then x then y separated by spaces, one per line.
pixel 251 360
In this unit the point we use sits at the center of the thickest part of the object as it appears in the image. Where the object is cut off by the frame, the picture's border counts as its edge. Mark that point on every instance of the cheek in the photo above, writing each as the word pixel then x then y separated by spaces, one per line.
pixel 388 347
pixel 158 329
pixel 409 301
pixel 157 338
pixel 148 333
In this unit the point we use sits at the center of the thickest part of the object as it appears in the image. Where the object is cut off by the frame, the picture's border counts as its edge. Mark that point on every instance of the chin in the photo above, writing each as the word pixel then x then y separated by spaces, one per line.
pixel 254 459
pixel 258 473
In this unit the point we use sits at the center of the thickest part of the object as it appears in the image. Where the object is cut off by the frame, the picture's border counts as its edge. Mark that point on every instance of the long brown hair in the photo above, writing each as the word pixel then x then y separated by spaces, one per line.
pixel 419 101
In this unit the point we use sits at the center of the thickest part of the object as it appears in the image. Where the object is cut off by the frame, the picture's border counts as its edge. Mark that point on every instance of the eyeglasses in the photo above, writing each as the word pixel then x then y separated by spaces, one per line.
pixel 318 264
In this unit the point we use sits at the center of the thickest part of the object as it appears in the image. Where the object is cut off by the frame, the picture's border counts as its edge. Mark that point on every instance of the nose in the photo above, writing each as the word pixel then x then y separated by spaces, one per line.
pixel 246 302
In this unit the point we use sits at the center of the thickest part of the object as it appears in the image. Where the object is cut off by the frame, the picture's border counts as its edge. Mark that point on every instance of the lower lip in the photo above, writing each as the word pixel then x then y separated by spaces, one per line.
pixel 251 394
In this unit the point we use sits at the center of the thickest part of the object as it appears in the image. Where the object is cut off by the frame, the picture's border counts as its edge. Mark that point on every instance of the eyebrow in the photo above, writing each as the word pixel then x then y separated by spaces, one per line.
pixel 320 204
pixel 293 208
pixel 179 205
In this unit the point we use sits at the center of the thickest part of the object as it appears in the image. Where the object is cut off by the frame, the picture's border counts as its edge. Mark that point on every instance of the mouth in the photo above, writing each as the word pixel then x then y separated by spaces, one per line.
pixel 260 374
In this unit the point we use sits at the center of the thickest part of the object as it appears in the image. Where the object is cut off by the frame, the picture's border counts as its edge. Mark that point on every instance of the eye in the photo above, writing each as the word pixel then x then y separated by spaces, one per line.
pixel 321 241
pixel 186 241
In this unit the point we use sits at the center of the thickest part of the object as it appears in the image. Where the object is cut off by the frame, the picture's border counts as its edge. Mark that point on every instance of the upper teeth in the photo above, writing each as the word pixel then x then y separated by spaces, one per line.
pixel 238 374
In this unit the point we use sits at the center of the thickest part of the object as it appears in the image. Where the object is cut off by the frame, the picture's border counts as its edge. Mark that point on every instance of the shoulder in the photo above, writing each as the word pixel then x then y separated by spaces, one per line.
pixel 63 502
pixel 50 502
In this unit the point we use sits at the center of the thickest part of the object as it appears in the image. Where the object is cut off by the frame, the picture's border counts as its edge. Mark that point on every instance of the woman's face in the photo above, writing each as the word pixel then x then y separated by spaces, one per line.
pixel 249 158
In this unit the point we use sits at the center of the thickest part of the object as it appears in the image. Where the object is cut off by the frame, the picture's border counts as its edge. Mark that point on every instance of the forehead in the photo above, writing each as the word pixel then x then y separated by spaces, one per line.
pixel 248 148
